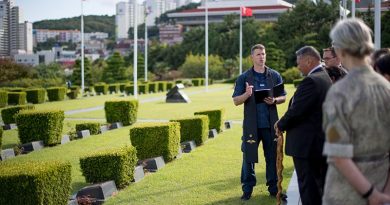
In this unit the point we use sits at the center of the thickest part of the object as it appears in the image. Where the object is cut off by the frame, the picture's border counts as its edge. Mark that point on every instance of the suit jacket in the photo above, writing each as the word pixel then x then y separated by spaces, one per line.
pixel 303 119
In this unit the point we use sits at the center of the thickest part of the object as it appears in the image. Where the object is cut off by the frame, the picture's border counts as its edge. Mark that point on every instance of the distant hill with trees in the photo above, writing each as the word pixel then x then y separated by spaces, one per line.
pixel 92 23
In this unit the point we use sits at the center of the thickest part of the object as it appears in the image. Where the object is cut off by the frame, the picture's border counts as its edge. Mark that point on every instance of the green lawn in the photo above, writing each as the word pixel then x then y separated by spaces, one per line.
pixel 208 175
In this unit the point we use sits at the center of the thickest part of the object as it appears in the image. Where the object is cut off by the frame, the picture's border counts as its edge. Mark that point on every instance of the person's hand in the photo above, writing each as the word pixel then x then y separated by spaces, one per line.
pixel 248 90
pixel 378 198
pixel 269 100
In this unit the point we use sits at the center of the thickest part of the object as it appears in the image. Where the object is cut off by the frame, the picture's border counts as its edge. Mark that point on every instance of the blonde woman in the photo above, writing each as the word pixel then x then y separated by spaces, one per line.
pixel 357 123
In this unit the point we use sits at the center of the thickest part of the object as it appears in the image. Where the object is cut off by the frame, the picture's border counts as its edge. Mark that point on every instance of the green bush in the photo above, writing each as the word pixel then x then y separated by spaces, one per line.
pixel 40 125
pixel 72 94
pixel 297 82
pixel 32 183
pixel 1 137
pixel 56 93
pixel 215 118
pixel 156 139
pixel 152 87
pixel 196 81
pixel 122 87
pixel 121 111
pixel 3 98
pixel 113 88
pixel 16 89
pixel 161 86
pixel 112 164
pixel 93 127
pixel 75 87
pixel 194 128
pixel 143 88
pixel 231 80
pixel 129 89
pixel 36 96
pixel 16 98
pixel 8 114
pixel 101 88
pixel 291 74
pixel 169 85
pixel 178 81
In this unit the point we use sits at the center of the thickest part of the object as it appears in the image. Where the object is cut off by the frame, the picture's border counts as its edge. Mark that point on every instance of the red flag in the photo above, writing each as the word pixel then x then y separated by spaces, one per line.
pixel 357 1
pixel 246 11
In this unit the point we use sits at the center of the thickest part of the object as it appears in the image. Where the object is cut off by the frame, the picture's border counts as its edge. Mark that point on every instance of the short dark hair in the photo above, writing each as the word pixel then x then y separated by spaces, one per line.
pixel 331 49
pixel 378 53
pixel 382 65
pixel 257 46
pixel 335 73
pixel 309 51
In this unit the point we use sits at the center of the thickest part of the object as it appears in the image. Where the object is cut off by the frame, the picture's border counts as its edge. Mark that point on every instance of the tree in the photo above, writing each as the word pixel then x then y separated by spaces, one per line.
pixel 193 67
pixel 98 67
pixel 115 70
pixel 76 76
pixel 275 57
pixel 10 71
pixel 50 71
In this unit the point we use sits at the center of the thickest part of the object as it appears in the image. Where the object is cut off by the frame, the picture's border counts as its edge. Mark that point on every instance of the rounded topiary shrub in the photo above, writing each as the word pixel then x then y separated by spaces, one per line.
pixel 56 93
pixel 194 128
pixel 121 111
pixel 16 98
pixel 8 114
pixel 93 127
pixel 40 125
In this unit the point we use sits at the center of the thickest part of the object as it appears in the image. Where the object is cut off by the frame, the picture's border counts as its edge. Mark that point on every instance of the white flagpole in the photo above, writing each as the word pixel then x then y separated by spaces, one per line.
pixel 240 40
pixel 146 49
pixel 135 49
pixel 377 24
pixel 206 47
pixel 345 8
pixel 82 48
pixel 353 8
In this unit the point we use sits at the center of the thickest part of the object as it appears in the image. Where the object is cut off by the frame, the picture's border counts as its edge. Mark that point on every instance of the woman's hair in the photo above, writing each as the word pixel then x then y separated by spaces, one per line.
pixel 352 36
pixel 379 53
pixel 335 73
pixel 382 65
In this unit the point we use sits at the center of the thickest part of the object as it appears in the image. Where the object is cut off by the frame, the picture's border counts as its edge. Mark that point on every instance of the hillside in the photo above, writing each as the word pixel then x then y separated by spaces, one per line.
pixel 92 23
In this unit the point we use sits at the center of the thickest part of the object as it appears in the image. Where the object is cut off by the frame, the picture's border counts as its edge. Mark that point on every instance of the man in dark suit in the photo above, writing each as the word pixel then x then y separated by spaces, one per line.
pixel 303 123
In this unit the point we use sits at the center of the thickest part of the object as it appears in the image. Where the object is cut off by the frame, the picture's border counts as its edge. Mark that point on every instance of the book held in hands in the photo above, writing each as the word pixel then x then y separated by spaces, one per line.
pixel 261 94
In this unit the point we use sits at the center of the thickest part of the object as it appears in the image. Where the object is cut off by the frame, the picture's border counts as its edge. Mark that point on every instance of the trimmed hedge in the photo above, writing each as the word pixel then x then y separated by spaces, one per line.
pixel 1 137
pixel 8 114
pixel 36 96
pixel 32 183
pixel 3 98
pixel 122 87
pixel 143 88
pixel 72 94
pixel 121 111
pixel 170 85
pixel 215 118
pixel 194 128
pixel 56 93
pixel 152 87
pixel 197 81
pixel 93 127
pixel 40 125
pixel 114 88
pixel 156 139
pixel 101 88
pixel 15 89
pixel 129 89
pixel 161 86
pixel 297 82
pixel 16 98
pixel 112 164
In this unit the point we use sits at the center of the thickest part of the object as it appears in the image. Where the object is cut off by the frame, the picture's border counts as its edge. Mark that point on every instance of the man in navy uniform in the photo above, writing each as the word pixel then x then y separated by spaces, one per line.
pixel 259 119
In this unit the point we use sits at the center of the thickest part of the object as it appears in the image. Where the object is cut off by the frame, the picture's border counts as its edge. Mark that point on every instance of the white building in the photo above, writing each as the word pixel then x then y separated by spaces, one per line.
pixel 156 7
pixel 74 36
pixel 26 37
pixel 5 11
pixel 124 19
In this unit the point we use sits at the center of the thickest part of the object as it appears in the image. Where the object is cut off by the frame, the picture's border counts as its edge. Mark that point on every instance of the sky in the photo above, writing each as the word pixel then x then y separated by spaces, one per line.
pixel 36 10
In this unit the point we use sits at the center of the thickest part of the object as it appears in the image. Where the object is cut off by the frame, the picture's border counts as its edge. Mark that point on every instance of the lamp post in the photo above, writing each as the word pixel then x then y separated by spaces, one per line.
pixel 82 48
pixel 206 46
pixel 135 49
pixel 146 46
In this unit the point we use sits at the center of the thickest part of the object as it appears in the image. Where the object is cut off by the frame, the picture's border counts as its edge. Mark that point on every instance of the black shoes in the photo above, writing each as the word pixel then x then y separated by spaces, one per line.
pixel 282 196
pixel 246 196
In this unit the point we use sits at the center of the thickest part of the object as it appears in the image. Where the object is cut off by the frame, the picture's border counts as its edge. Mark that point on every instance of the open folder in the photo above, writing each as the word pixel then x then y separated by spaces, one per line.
pixel 263 93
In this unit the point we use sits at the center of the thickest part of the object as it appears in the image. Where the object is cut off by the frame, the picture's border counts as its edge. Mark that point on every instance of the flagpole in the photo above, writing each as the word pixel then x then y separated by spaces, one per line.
pixel 345 8
pixel 206 46
pixel 240 40
pixel 82 48
pixel 353 8
pixel 146 48
pixel 377 24
pixel 135 50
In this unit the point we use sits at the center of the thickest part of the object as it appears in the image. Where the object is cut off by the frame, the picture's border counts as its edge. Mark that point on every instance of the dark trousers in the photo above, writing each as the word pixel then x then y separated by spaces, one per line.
pixel 311 179
pixel 248 177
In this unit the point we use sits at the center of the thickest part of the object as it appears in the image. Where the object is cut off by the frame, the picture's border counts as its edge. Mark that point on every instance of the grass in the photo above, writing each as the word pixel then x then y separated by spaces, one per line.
pixel 208 175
